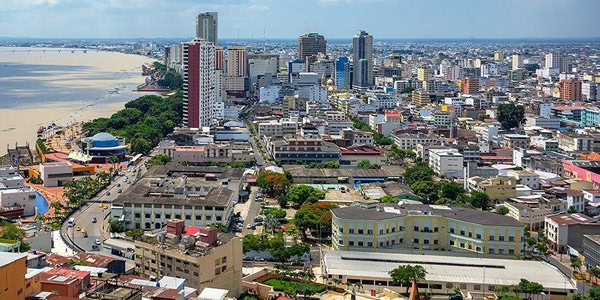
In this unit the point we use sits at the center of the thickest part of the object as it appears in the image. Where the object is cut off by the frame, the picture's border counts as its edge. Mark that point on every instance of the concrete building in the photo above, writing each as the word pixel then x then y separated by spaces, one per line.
pixel 591 251
pixel 500 188
pixel 17 281
pixel 342 73
pixel 568 230
pixel 352 155
pixel 517 61
pixel 13 192
pixel 362 59
pixel 303 149
pixel 207 27
pixel 419 228
pixel 551 123
pixel 532 210
pixel 420 98
pixel 557 61
pixel 444 273
pixel 203 260
pixel 574 142
pixel 237 61
pixel 514 141
pixel 527 178
pixel 423 73
pixel 408 141
pixel 198 83
pixel 56 174
pixel 447 162
pixel 204 196
pixel 570 90
pixel 311 44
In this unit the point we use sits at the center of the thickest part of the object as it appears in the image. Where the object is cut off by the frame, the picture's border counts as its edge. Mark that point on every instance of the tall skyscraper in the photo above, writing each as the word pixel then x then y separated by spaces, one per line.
pixel 557 60
pixel 362 58
pixel 498 56
pixel 311 44
pixel 199 83
pixel 423 73
pixel 207 27
pixel 342 73
pixel 237 61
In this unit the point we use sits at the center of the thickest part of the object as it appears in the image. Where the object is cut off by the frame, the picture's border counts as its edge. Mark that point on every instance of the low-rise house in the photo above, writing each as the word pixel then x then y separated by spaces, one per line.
pixel 565 231
pixel 352 155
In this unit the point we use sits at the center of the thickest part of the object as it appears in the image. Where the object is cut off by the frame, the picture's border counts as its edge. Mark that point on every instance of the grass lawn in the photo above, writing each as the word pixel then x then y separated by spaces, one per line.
pixel 280 285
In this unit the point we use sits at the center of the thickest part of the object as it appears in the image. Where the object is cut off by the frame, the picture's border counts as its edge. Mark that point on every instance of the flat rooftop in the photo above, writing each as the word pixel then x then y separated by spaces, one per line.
pixel 442 268
pixel 385 171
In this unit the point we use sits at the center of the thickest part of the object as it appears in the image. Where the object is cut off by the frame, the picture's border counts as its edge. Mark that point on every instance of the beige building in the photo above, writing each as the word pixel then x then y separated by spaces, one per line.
pixel 215 267
pixel 423 73
pixel 237 61
pixel 514 141
pixel 499 188
pixel 420 98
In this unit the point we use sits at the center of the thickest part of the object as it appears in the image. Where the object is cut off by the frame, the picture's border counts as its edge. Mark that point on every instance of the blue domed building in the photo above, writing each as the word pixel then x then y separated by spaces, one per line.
pixel 102 146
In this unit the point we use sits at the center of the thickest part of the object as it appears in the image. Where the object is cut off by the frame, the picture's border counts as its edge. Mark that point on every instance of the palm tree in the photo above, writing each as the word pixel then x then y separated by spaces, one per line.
pixel 114 160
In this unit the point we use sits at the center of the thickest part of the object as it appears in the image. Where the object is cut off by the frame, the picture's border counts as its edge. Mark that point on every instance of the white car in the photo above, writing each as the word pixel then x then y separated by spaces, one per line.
pixel 98 242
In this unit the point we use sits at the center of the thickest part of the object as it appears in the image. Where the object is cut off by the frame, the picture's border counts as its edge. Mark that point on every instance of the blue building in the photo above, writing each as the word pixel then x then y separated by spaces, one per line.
pixel 342 73
pixel 590 117
pixel 295 66
pixel 102 146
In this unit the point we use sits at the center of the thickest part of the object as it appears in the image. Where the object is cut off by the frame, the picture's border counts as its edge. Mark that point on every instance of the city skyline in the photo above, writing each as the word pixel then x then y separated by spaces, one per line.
pixel 270 19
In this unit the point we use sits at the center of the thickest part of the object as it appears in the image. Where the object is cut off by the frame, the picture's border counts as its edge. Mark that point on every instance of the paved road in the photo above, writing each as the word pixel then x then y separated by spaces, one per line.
pixel 260 161
pixel 252 212
pixel 85 215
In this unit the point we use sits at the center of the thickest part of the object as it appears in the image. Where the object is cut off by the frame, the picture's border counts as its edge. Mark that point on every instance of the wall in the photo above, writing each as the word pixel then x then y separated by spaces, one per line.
pixel 12 280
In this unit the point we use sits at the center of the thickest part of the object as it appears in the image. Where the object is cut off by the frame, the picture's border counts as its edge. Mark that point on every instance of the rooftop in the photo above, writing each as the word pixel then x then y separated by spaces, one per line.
pixel 8 258
pixel 569 219
pixel 393 210
pixel 385 171
pixel 446 269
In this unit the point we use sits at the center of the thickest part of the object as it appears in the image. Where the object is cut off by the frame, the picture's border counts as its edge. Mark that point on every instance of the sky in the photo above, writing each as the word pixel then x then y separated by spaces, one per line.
pixel 291 18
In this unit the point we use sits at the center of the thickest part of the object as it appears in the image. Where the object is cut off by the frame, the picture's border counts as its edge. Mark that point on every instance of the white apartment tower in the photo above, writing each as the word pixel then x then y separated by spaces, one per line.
pixel 199 83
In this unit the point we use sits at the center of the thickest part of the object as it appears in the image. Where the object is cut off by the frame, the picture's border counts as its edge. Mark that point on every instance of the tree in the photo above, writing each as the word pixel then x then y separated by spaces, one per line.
pixel 572 209
pixel 135 234
pixel 418 172
pixel 405 275
pixel 273 183
pixel 511 115
pixel 314 217
pixel 427 190
pixel 529 288
pixel 480 200
pixel 140 145
pixel 450 189
pixel 301 194
pixel 389 199
pixel 271 222
pixel 158 160
pixel 364 164
pixel 115 226
pixel 576 263
pixel 502 210
pixel 594 272
pixel 276 212
pixel 10 231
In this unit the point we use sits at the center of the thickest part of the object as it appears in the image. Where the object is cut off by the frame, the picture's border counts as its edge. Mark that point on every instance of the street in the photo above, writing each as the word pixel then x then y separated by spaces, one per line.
pixel 88 211
pixel 253 210
pixel 260 161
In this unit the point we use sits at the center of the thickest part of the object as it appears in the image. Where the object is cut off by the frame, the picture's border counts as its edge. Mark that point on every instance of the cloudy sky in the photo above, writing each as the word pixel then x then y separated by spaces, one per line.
pixel 290 18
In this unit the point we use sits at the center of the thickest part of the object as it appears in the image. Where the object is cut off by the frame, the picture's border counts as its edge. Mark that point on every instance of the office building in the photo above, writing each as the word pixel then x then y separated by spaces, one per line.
pixel 570 90
pixel 420 228
pixel 448 162
pixel 219 58
pixel 237 61
pixel 207 27
pixel 198 83
pixel 420 98
pixel 362 59
pixel 14 194
pixel 517 62
pixel 305 149
pixel 498 56
pixel 201 256
pixel 261 65
pixel 423 73
pixel 591 251
pixel 470 86
pixel 558 61
pixel 342 73
pixel 311 44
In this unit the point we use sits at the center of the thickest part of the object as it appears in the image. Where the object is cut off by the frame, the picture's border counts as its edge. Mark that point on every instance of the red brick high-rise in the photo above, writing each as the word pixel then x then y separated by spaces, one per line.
pixel 570 90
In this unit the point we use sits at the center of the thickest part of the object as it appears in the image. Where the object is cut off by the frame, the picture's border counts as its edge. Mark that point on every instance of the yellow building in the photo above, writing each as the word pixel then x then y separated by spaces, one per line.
pixel 423 73
pixel 419 228
pixel 498 56
pixel 16 281
pixel 499 188
pixel 420 98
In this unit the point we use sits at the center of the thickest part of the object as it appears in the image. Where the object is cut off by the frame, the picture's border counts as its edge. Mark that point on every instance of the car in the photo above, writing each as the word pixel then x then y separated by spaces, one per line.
pixel 97 241
pixel 108 193
pixel 78 228
pixel 119 191
pixel 94 220
pixel 258 258
pixel 250 226
pixel 85 234
pixel 118 185
pixel 258 219
pixel 71 222
pixel 83 230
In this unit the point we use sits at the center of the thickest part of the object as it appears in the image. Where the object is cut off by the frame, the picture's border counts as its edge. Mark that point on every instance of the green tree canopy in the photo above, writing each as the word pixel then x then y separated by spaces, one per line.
pixel 511 115
pixel 404 275
pixel 364 164
pixel 480 200
pixel 418 172
pixel 529 288
pixel 301 194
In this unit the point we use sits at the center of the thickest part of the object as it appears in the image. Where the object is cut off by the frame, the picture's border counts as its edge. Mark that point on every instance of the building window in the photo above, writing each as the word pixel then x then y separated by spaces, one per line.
pixel 360 231
pixel 351 231
pixel 188 217
pixel 462 232
pixel 451 230
pixel 478 236
pixel 511 251
pixel 451 243
pixel 341 230
pixel 426 242
pixel 360 244
pixel 435 242
pixel 167 216
pixel 137 215
pixel 501 238
pixel 157 216
pixel 416 228
pixel 501 251
pixel 463 286
pixel 462 245
pixel 477 287
pixel 491 251
pixel 380 244
pixel 351 243
pixel 341 242
pixel 511 238
pixel 416 241
pixel 198 217
pixel 380 231
pixel 370 244
pixel 491 237
pixel 370 231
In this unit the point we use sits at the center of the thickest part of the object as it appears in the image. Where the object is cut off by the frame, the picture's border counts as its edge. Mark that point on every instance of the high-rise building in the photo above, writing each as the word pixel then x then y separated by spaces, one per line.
pixel 198 83
pixel 423 73
pixel 237 61
pixel 498 56
pixel 219 58
pixel 342 73
pixel 470 86
pixel 207 26
pixel 311 44
pixel 420 98
pixel 517 61
pixel 362 58
pixel 570 90
pixel 557 60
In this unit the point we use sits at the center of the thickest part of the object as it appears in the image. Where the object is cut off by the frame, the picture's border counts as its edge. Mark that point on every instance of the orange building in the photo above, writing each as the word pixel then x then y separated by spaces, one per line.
pixel 570 90
pixel 66 286
pixel 470 86
pixel 16 281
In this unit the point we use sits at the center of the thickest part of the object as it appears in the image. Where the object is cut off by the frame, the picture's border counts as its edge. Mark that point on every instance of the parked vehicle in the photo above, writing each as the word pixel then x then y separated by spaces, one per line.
pixel 258 258
pixel 94 220
pixel 98 242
